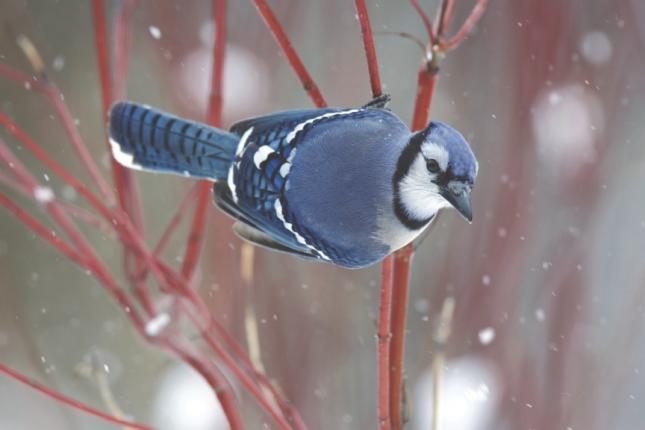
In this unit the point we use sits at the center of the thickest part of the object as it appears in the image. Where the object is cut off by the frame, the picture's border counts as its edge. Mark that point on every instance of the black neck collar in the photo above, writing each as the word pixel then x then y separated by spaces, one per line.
pixel 406 159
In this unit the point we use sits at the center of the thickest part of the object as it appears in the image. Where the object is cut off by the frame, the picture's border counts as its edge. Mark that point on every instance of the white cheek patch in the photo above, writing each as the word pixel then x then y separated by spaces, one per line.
pixel 420 197
pixel 122 157
pixel 435 152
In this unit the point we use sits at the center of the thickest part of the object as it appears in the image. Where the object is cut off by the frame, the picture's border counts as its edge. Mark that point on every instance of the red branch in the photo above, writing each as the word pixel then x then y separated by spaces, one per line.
pixel 426 21
pixel 370 50
pixel 400 273
pixel 166 277
pixel 292 56
pixel 130 236
pixel 467 27
pixel 60 108
pixel 102 57
pixel 401 282
pixel 69 401
pixel 214 117
pixel 175 220
pixel 45 233
pixel 383 348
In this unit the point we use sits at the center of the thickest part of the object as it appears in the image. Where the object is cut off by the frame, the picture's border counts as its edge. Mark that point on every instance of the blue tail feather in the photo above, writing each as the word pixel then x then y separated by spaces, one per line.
pixel 147 139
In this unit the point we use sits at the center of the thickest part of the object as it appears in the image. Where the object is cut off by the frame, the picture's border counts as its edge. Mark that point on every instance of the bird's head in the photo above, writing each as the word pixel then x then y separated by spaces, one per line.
pixel 436 169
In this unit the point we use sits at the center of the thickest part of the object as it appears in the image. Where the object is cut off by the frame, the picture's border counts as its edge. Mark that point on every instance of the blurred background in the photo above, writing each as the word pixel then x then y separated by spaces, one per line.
pixel 548 281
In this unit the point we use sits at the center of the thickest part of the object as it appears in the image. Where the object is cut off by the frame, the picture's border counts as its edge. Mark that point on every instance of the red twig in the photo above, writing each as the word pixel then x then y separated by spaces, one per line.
pixel 131 237
pixel 426 82
pixel 196 234
pixel 370 50
pixel 94 265
pixel 292 56
pixel 467 27
pixel 214 114
pixel 245 379
pixel 45 233
pixel 129 195
pixel 175 220
pixel 401 281
pixel 65 117
pixel 426 21
pixel 444 17
pixel 69 401
pixel 383 347
pixel 102 58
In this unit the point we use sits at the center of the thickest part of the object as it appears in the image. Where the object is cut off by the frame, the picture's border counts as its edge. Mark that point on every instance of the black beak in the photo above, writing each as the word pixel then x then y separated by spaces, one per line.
pixel 458 195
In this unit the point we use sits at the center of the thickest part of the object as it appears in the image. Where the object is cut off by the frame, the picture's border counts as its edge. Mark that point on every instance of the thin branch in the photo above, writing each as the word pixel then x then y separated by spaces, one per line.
pixel 383 346
pixel 127 183
pixel 55 97
pixel 196 235
pixel 43 232
pixel 467 27
pixel 244 379
pixel 129 235
pixel 441 339
pixel 401 283
pixel 292 56
pixel 103 64
pixel 444 17
pixel 67 400
pixel 426 21
pixel 426 82
pixel 370 50
pixel 175 220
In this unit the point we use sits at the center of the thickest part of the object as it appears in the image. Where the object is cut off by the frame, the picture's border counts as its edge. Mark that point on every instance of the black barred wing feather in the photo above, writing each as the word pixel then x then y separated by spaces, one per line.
pixel 254 193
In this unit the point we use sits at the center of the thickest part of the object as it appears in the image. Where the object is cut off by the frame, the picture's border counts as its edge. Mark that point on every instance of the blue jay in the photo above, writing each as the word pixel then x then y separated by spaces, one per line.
pixel 346 186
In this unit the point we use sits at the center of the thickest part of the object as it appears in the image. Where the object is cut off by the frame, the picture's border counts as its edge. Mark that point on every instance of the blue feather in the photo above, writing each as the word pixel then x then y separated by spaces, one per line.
pixel 148 139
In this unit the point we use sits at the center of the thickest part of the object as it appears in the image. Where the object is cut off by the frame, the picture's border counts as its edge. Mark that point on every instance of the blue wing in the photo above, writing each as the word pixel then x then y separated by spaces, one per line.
pixel 277 121
pixel 254 193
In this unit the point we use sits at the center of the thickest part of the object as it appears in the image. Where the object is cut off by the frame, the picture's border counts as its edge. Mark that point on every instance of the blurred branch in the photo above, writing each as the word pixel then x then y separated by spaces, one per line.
pixel 55 97
pixel 214 117
pixel 426 82
pixel 370 50
pixel 169 281
pixel 467 27
pixel 69 401
pixel 292 56
pixel 441 339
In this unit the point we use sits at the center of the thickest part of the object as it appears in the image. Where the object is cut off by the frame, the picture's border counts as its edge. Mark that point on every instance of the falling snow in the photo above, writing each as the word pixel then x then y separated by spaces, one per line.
pixel 59 63
pixel 155 32
pixel 596 47
pixel 486 335
pixel 43 194
pixel 157 324
pixel 539 314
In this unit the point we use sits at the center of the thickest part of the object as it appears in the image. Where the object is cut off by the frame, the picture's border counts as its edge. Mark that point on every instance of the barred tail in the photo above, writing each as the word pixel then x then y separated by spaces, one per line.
pixel 146 139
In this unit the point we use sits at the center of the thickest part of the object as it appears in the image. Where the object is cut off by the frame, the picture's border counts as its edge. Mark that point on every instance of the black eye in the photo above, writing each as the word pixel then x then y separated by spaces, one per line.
pixel 433 166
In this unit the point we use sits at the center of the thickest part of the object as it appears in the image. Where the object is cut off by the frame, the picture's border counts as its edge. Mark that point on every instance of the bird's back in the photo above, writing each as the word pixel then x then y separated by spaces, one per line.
pixel 341 181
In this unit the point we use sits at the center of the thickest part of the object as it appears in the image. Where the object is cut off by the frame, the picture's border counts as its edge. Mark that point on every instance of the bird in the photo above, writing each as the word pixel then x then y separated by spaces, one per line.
pixel 347 186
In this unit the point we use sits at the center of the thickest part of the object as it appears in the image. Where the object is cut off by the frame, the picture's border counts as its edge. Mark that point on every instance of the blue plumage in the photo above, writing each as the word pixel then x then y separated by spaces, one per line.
pixel 150 140
pixel 347 186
